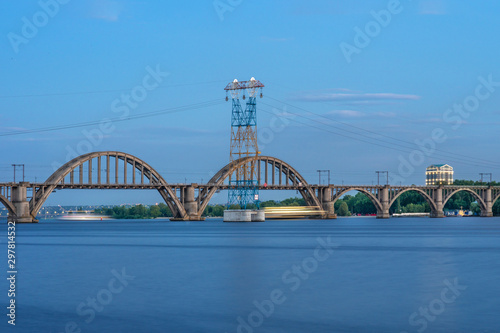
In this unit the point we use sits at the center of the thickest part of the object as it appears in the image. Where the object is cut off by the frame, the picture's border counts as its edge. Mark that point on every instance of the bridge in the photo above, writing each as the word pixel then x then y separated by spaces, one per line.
pixel 118 170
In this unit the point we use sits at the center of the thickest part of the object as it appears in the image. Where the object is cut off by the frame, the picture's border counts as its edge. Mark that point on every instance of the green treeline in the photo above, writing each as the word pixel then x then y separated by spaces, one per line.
pixel 414 202
pixel 360 204
pixel 162 210
pixel 136 212
pixel 218 210
pixel 408 202
pixel 467 201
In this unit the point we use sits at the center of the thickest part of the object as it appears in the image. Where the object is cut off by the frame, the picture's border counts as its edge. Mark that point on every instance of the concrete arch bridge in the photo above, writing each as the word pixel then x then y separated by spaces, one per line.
pixel 119 170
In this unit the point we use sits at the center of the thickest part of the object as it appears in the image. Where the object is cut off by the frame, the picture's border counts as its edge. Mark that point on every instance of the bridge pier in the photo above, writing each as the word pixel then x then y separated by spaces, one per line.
pixel 190 205
pixel 21 203
pixel 383 212
pixel 488 210
pixel 327 204
pixel 438 195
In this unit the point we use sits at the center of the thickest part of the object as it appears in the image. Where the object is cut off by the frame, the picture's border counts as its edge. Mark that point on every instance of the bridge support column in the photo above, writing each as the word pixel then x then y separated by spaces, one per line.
pixel 384 200
pixel 327 204
pixel 488 211
pixel 21 203
pixel 438 198
pixel 190 204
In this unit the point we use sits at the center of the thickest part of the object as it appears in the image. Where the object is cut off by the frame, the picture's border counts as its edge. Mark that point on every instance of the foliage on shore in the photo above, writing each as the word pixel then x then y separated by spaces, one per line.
pixel 359 204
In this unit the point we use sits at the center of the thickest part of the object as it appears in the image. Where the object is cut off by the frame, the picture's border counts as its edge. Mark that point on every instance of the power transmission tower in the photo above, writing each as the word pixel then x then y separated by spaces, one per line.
pixel 243 184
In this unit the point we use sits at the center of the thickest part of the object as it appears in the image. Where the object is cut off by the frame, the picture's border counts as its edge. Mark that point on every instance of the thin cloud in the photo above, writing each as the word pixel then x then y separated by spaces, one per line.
pixel 385 114
pixel 106 10
pixel 360 114
pixel 11 129
pixel 429 120
pixel 347 113
pixel 341 97
pixel 433 7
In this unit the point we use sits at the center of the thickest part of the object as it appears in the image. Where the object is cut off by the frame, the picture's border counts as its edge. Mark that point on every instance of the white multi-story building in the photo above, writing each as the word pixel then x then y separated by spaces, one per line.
pixel 437 174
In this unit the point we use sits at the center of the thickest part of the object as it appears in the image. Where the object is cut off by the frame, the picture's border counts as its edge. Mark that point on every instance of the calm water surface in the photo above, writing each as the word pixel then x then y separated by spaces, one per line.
pixel 213 276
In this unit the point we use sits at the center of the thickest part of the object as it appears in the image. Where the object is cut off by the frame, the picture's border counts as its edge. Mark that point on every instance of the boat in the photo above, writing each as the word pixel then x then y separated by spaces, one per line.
pixel 81 216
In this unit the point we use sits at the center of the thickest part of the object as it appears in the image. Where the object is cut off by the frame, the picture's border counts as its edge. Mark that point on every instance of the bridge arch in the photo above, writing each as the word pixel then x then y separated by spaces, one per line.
pixel 146 170
pixel 495 199
pixel 478 198
pixel 10 207
pixel 373 198
pixel 291 177
pixel 424 194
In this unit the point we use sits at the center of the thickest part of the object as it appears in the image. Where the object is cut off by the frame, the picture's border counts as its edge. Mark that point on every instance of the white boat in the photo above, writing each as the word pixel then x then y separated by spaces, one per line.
pixel 82 217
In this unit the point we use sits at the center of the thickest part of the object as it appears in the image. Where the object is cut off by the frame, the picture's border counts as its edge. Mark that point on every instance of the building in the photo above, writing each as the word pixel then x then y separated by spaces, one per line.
pixel 438 174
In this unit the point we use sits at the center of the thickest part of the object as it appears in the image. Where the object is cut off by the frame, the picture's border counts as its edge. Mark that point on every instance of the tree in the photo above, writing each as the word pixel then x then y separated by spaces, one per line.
pixel 475 208
pixel 165 211
pixel 343 209
pixel 363 205
pixel 154 211
pixel 496 208
pixel 398 205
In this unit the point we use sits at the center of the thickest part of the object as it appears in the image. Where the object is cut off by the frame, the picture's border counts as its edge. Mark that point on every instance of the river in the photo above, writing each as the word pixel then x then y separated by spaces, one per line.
pixel 344 275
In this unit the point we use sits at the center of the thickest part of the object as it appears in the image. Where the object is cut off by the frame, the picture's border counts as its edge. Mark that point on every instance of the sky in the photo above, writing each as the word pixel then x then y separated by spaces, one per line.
pixel 352 87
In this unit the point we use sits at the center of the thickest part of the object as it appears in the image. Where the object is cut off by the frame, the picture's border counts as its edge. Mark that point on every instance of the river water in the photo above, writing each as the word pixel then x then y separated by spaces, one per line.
pixel 344 275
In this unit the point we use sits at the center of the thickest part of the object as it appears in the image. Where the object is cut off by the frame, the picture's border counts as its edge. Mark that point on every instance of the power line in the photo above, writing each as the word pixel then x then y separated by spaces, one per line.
pixel 356 138
pixel 105 91
pixel 412 145
pixel 118 119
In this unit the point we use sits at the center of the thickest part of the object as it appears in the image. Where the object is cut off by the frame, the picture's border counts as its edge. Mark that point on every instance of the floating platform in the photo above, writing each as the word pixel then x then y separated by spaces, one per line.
pixel 244 216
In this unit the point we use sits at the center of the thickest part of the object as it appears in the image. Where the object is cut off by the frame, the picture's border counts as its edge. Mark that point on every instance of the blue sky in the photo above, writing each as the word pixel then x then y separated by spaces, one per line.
pixel 402 82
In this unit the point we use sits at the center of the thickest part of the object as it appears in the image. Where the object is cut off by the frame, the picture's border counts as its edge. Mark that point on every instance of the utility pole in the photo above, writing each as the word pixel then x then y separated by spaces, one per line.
pixel 378 176
pixel 319 175
pixel 486 174
pixel 15 166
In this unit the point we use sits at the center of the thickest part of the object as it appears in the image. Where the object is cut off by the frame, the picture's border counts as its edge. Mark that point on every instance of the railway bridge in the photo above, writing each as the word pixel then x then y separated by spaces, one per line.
pixel 119 170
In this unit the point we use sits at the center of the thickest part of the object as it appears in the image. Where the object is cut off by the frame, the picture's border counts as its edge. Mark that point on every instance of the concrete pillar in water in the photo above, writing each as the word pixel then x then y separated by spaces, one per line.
pixel 438 199
pixel 328 204
pixel 190 204
pixel 21 203
pixel 488 210
pixel 383 213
